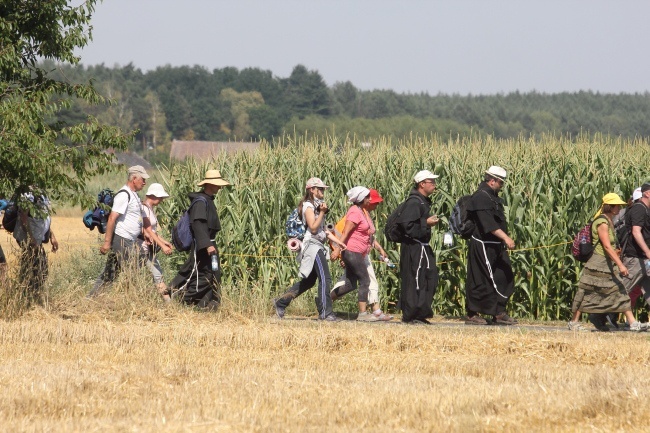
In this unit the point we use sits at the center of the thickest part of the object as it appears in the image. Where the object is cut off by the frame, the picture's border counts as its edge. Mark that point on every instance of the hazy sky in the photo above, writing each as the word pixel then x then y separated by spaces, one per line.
pixel 454 46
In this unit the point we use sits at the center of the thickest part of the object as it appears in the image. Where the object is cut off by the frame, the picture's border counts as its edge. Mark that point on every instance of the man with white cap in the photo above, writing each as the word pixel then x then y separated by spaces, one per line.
pixel 196 279
pixel 125 225
pixel 418 271
pixel 490 281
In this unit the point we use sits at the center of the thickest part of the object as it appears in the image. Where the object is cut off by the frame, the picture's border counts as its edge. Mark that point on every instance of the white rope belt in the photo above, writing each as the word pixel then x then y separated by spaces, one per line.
pixel 487 263
pixel 423 253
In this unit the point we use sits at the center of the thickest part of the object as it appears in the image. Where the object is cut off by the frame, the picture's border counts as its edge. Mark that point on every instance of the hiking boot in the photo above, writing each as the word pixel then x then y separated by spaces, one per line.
pixel 503 319
pixel 475 320
pixel 279 311
pixel 367 317
pixel 576 326
pixel 330 318
pixel 638 327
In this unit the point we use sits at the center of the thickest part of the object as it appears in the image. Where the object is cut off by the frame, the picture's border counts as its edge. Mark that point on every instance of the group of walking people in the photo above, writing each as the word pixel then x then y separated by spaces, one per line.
pixel 617 270
pixel 132 230
pixel 490 280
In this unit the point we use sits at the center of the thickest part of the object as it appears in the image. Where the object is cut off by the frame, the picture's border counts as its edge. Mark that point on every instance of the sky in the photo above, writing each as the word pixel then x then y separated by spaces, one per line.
pixel 409 46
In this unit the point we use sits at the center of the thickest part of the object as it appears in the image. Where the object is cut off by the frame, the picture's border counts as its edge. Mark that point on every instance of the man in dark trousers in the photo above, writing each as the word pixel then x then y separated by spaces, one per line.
pixel 418 270
pixel 197 282
pixel 490 281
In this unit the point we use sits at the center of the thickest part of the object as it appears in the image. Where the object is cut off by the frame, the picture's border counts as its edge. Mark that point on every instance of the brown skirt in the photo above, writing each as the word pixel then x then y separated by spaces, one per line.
pixel 600 289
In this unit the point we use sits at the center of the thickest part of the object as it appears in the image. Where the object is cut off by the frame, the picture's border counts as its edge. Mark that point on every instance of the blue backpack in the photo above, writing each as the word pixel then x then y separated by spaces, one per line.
pixel 182 236
pixel 98 216
pixel 294 227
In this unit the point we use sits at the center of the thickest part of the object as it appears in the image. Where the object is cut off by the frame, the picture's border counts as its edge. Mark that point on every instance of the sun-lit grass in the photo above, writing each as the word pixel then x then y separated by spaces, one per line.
pixel 173 369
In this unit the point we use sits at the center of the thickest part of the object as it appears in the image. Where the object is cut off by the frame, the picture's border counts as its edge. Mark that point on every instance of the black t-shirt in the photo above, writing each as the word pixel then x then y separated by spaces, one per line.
pixel 637 215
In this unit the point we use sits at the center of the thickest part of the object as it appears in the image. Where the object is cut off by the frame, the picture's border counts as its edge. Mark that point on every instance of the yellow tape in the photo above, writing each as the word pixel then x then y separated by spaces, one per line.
pixel 269 247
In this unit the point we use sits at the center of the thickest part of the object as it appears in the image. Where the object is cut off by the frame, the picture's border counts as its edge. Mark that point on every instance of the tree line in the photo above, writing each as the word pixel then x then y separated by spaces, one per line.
pixel 193 103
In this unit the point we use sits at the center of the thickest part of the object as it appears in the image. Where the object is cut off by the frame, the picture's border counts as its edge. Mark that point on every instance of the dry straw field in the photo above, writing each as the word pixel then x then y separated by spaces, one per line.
pixel 126 362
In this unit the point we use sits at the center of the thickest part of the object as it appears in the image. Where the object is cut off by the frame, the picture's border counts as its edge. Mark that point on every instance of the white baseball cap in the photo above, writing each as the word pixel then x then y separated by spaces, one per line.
pixel 637 194
pixel 424 175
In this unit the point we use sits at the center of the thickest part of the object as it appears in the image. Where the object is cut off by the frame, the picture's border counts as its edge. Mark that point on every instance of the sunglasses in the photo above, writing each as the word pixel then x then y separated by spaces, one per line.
pixel 320 188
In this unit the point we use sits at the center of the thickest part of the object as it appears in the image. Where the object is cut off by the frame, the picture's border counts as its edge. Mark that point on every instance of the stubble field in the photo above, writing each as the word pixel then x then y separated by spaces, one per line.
pixel 124 363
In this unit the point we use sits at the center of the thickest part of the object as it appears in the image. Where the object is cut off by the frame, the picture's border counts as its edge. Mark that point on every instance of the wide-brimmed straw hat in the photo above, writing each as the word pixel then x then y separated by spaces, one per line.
pixel 213 177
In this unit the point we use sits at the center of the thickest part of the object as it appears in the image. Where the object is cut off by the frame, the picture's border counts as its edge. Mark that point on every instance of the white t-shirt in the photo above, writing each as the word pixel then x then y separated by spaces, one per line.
pixel 129 223
pixel 320 233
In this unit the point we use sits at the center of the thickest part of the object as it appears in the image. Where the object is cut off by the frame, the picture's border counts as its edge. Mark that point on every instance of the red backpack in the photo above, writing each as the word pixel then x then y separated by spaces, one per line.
pixel 582 247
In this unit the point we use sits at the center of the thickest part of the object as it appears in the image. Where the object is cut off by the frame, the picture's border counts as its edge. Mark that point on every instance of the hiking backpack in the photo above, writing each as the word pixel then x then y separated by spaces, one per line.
pixel 623 227
pixel 182 236
pixel 98 216
pixel 294 227
pixel 583 248
pixel 10 217
pixel 392 230
pixel 460 221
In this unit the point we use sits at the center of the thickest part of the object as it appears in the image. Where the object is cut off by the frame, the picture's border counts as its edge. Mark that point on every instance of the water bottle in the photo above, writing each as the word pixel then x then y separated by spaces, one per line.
pixel 448 239
pixel 386 260
pixel 215 263
pixel 646 262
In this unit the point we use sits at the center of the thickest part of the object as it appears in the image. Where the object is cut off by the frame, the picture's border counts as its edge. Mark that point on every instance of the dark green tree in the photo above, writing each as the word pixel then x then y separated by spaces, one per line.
pixel 37 151
pixel 306 93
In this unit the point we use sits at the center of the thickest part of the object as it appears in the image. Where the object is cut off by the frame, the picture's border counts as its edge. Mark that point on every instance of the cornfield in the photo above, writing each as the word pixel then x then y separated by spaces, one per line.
pixel 554 187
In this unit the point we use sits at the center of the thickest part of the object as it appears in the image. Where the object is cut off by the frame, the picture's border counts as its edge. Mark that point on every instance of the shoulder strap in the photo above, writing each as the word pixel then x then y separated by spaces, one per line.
pixel 196 200
pixel 128 196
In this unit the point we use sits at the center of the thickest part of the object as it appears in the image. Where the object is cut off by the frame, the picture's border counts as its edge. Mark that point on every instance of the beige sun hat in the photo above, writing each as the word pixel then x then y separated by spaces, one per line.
pixel 213 177
pixel 315 182
pixel 157 190
pixel 138 170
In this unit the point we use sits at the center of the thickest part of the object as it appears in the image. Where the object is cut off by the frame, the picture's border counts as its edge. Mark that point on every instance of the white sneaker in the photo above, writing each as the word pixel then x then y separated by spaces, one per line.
pixel 577 326
pixel 367 317
pixel 638 327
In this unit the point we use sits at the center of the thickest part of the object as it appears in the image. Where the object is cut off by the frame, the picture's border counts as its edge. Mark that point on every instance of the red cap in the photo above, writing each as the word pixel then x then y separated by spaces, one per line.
pixel 375 197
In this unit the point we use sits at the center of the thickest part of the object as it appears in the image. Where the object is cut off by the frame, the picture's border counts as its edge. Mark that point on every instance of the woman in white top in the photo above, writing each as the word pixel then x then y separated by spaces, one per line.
pixel 313 255
pixel 153 243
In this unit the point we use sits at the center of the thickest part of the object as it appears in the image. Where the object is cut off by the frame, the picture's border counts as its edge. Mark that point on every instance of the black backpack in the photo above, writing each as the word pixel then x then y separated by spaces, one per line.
pixel 10 217
pixel 392 230
pixel 460 221
pixel 623 227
